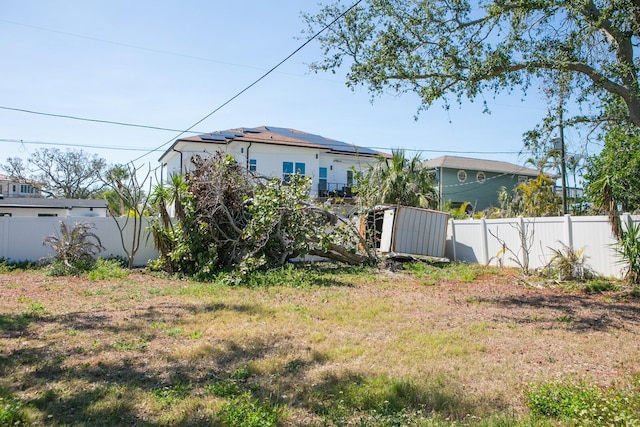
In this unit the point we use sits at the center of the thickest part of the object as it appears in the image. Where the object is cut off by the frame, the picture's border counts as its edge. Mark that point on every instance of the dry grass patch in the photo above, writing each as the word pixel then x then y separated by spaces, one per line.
pixel 325 347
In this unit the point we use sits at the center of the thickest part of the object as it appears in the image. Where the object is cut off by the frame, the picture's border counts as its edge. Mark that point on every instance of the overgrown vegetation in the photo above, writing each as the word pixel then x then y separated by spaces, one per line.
pixel 228 219
pixel 107 269
pixel 398 180
pixel 74 249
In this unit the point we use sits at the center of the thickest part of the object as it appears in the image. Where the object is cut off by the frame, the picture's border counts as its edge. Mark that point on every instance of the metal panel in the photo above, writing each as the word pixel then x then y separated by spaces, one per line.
pixel 386 236
pixel 419 231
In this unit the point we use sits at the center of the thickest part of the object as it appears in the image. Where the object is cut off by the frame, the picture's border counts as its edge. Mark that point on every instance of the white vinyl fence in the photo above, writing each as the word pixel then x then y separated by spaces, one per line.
pixel 474 241
pixel 21 237
pixel 481 241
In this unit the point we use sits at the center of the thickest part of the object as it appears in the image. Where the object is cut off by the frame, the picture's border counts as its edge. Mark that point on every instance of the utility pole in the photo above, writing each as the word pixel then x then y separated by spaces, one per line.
pixel 563 159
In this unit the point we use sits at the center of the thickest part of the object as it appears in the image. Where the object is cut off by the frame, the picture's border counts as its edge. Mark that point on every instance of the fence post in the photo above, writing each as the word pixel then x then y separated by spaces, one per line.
pixel 5 240
pixel 485 242
pixel 568 231
pixel 453 239
pixel 626 221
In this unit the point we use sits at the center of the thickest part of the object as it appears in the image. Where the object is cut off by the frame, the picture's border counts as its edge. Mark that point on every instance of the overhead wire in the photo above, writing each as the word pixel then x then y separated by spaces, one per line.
pixel 190 128
pixel 85 119
pixel 63 144
pixel 255 82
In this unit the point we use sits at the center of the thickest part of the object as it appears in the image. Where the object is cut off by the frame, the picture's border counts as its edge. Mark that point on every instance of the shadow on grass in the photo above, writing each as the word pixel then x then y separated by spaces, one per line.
pixel 13 324
pixel 582 313
pixel 132 385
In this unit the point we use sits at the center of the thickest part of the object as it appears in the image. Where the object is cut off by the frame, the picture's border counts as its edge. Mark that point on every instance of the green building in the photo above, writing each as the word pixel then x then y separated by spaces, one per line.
pixel 477 181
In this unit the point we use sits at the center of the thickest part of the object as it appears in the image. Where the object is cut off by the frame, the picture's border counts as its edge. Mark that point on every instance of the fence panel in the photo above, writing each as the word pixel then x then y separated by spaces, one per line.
pixel 21 237
pixel 498 241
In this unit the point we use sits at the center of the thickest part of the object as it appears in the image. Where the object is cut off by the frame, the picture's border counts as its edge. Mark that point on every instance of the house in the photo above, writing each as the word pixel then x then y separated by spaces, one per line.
pixel 477 181
pixel 41 207
pixel 278 152
pixel 17 187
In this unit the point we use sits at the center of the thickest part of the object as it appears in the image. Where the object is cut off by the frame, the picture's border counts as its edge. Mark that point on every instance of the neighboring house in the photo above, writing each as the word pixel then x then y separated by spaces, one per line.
pixel 477 181
pixel 14 187
pixel 19 207
pixel 278 152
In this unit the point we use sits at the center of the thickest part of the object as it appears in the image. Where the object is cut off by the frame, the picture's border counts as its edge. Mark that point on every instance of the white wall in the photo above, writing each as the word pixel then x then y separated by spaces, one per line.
pixel 478 241
pixel 35 211
pixel 21 237
pixel 269 160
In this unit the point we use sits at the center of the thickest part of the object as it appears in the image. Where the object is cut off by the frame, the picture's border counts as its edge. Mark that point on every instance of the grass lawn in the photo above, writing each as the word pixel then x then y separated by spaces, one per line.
pixel 317 346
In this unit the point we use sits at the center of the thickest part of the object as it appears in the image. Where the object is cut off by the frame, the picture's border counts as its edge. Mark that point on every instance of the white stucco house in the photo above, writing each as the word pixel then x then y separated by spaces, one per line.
pixel 16 187
pixel 42 207
pixel 277 152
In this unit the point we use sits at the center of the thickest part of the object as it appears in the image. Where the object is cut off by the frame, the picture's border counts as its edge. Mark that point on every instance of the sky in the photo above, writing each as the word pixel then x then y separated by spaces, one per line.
pixel 169 64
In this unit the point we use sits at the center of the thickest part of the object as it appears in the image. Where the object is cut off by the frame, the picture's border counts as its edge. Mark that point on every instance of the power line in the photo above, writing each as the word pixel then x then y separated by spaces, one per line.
pixel 62 144
pixel 85 119
pixel 154 50
pixel 448 151
pixel 256 81
pixel 110 122
pixel 106 147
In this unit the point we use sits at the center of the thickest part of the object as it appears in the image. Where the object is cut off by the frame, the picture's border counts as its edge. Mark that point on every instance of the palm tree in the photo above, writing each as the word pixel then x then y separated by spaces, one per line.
pixel 116 176
pixel 398 180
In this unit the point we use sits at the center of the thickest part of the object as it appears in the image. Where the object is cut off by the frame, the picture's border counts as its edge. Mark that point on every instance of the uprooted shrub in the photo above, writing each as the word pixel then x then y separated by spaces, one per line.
pixel 75 248
pixel 228 219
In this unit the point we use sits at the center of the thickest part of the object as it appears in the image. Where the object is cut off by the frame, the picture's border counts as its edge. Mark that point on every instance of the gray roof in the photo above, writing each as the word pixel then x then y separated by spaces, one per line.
pixel 41 202
pixel 467 163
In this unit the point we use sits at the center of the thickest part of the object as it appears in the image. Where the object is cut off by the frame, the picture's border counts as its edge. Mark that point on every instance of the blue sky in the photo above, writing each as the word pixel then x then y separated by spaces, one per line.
pixel 169 64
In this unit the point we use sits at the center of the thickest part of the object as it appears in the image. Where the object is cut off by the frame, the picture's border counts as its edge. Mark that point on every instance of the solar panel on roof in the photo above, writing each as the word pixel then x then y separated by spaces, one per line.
pixel 212 137
pixel 320 140
pixel 227 134
pixel 253 131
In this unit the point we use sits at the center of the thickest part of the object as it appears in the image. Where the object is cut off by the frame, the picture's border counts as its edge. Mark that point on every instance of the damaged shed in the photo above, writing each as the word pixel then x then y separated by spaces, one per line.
pixel 404 230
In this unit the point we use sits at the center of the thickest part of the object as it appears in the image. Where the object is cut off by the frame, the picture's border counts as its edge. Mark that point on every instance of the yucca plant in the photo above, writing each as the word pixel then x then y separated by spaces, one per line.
pixel 628 248
pixel 76 247
pixel 570 263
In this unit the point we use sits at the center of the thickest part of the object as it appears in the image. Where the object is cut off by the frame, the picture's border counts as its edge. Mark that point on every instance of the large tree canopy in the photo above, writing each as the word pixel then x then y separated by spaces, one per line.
pixel 443 50
pixel 69 174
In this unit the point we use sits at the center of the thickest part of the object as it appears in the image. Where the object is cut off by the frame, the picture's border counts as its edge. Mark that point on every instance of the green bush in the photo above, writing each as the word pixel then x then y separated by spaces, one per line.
pixel 107 269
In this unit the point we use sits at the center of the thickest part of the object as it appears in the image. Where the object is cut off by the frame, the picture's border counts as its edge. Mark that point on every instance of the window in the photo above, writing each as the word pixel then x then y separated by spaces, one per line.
pixel 26 189
pixel 462 176
pixel 349 178
pixel 47 214
pixel 322 180
pixel 253 165
pixel 481 177
pixel 287 170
